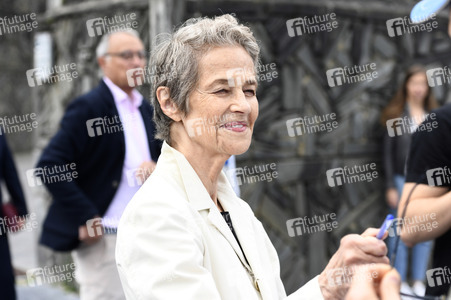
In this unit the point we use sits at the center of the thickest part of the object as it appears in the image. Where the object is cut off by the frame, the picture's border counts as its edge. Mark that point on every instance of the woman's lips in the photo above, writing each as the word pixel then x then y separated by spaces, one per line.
pixel 235 126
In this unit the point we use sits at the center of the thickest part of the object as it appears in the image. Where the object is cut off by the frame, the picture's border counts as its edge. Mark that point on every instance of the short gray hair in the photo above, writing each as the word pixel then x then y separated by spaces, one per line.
pixel 179 53
pixel 102 47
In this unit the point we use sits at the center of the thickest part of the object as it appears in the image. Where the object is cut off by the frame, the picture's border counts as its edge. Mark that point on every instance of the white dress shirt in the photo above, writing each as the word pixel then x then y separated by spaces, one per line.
pixel 136 151
pixel 173 243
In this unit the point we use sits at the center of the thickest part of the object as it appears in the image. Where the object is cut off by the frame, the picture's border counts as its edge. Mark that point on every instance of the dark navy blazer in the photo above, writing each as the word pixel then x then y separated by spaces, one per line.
pixel 8 174
pixel 98 158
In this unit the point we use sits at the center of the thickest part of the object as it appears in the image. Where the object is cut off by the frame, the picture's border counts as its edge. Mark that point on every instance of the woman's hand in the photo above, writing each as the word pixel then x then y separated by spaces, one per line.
pixel 392 197
pixel 374 282
pixel 354 250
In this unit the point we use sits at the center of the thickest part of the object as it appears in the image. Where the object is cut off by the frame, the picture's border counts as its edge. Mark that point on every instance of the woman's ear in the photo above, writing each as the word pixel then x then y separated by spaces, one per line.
pixel 167 105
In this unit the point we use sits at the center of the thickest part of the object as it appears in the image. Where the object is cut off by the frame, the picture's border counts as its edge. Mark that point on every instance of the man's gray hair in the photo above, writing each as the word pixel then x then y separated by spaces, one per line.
pixel 175 59
pixel 102 47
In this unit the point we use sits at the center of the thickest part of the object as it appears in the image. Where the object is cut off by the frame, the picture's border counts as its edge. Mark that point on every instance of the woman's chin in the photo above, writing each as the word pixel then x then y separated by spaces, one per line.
pixel 238 148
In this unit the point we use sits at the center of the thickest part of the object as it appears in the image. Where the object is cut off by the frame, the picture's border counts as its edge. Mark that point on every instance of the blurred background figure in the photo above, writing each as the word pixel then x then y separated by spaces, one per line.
pixel 424 196
pixel 230 171
pixel 108 134
pixel 8 175
pixel 412 102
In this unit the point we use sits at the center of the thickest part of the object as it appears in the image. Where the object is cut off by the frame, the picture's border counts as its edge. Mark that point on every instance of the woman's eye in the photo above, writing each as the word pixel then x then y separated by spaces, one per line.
pixel 221 91
pixel 249 93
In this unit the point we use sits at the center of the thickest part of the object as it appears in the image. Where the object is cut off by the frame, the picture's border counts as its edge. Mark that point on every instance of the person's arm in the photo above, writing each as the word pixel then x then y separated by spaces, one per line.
pixel 66 147
pixel 388 158
pixel 391 194
pixel 12 180
pixel 427 205
pixel 428 214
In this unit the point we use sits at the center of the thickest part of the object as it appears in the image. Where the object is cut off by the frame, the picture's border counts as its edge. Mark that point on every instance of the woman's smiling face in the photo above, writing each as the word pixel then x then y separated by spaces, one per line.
pixel 223 107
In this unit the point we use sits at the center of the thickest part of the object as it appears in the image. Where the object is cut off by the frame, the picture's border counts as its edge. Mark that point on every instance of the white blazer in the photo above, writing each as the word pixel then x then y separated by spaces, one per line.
pixel 173 242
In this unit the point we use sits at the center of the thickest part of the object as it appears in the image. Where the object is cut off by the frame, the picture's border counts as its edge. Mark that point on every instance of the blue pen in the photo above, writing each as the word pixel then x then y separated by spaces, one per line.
pixel 385 226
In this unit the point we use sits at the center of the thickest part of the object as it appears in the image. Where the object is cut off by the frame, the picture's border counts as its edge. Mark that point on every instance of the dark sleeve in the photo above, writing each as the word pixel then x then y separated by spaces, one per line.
pixel 429 149
pixel 66 147
pixel 12 180
pixel 388 153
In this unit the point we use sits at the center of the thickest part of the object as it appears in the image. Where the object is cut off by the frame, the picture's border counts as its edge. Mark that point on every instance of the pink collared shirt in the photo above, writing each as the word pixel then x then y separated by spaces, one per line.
pixel 136 150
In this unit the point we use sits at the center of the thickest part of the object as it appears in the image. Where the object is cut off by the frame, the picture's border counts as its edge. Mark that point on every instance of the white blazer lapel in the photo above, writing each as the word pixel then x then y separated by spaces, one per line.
pixel 200 199
pixel 244 229
pixel 218 221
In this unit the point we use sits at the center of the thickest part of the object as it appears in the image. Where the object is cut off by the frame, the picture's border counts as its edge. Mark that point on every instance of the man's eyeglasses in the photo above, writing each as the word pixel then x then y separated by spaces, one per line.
pixel 128 55
pixel 393 256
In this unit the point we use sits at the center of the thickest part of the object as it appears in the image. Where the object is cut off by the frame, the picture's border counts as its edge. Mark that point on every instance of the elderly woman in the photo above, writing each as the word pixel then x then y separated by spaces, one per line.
pixel 185 234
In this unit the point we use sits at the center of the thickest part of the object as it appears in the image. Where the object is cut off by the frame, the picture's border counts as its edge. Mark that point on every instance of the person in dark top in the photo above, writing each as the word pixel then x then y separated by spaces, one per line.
pixel 426 196
pixel 8 174
pixel 429 165
pixel 408 108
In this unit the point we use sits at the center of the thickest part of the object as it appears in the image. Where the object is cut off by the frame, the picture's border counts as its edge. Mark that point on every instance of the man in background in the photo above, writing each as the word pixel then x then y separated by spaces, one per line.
pixel 106 138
